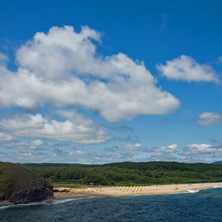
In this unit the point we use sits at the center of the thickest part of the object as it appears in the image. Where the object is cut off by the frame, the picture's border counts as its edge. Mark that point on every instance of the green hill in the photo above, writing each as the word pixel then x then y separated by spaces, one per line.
pixel 18 184
pixel 14 177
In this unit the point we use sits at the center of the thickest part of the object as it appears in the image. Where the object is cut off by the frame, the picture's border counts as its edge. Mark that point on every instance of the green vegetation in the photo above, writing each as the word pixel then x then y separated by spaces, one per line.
pixel 19 185
pixel 13 176
pixel 128 173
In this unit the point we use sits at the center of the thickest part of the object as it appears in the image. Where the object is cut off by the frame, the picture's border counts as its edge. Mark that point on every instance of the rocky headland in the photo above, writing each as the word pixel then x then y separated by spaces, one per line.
pixel 18 185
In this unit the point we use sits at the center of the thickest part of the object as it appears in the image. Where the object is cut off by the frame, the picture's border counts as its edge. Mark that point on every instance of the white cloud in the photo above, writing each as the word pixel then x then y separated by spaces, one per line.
pixel 202 153
pixel 20 144
pixel 164 157
pixel 90 158
pixel 3 59
pixel 78 148
pixel 62 68
pixel 208 119
pixel 36 126
pixel 127 147
pixel 60 156
pixel 173 148
pixel 187 69
pixel 37 142
pixel 80 156
pixel 201 148
pixel 6 137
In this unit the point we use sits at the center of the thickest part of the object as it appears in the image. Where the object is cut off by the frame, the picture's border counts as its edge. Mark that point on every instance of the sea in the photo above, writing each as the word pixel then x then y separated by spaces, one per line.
pixel 191 206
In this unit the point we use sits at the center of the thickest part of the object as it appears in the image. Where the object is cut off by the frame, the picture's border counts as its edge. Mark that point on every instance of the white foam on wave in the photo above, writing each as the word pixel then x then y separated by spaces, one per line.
pixel 47 202
pixel 39 203
pixel 53 202
pixel 21 205
pixel 217 187
pixel 5 207
pixel 191 191
pixel 61 201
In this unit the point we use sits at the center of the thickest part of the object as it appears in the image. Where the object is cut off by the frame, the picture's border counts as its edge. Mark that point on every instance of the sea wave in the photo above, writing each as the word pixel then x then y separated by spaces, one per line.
pixel 69 200
pixel 5 207
pixel 62 201
pixel 38 203
pixel 21 205
pixel 191 191
pixel 46 202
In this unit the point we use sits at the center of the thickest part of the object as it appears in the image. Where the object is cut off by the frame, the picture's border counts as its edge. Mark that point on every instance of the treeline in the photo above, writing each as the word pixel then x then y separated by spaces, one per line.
pixel 129 173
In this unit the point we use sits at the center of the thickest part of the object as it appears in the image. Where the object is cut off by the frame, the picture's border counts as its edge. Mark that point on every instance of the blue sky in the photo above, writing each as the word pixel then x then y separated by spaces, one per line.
pixel 99 82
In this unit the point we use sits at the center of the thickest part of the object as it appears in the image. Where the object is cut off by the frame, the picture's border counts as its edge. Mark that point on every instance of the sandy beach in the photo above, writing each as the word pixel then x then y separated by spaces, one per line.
pixel 135 190
pixel 127 190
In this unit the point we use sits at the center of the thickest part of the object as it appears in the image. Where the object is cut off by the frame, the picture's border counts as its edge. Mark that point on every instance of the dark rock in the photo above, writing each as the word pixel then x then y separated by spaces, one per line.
pixel 36 190
pixel 2 197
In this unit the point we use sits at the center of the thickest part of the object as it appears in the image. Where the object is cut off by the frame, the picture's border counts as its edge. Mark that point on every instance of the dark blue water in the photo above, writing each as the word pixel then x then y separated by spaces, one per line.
pixel 205 205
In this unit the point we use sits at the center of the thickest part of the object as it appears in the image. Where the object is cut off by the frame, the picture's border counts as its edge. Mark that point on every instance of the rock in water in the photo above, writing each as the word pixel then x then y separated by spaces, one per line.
pixel 20 185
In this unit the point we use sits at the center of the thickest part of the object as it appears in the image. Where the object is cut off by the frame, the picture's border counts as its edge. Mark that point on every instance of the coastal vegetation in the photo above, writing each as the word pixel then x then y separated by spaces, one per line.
pixel 127 173
pixel 19 185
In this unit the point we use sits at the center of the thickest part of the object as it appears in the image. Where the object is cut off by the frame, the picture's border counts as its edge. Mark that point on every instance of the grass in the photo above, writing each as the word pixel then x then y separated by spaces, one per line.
pixel 13 177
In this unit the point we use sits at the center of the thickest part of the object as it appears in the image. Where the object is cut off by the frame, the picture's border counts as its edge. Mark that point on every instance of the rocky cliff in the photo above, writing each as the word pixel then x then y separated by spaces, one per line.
pixel 19 185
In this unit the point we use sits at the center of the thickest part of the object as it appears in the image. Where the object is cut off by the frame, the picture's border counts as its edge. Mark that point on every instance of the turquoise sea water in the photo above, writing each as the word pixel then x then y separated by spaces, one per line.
pixel 205 205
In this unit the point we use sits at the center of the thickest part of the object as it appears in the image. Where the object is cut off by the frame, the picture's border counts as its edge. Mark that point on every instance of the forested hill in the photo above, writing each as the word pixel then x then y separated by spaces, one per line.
pixel 129 173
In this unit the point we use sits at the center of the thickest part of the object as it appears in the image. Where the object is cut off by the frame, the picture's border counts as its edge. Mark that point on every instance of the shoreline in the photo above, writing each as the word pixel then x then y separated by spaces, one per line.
pixel 126 191
pixel 135 190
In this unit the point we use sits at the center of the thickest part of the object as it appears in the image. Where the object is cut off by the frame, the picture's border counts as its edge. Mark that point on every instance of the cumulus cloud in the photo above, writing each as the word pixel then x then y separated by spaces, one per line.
pixel 78 148
pixel 82 130
pixel 190 153
pixel 61 156
pixel 164 157
pixel 20 144
pixel 202 152
pixel 201 148
pixel 127 147
pixel 187 69
pixel 208 119
pixel 173 148
pixel 27 157
pixel 62 68
pixel 6 137
pixel 3 59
